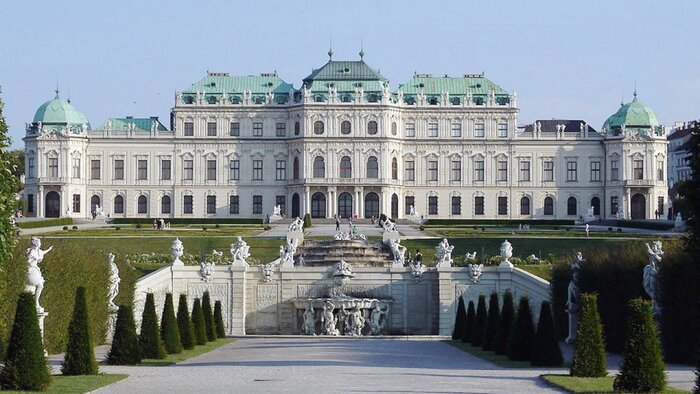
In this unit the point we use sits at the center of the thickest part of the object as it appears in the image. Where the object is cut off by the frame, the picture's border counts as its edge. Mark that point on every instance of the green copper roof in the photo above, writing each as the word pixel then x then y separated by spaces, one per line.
pixel 122 124
pixel 222 82
pixel 346 76
pixel 476 84
pixel 59 112
pixel 633 115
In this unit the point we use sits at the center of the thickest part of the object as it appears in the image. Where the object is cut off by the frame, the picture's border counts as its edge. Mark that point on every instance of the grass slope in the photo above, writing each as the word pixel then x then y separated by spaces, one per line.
pixel 574 384
pixel 501 361
pixel 172 359
pixel 61 384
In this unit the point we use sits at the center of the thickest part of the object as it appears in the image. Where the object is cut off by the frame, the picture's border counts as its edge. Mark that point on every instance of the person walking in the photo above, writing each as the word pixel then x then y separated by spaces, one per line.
pixel 337 223
pixel 419 256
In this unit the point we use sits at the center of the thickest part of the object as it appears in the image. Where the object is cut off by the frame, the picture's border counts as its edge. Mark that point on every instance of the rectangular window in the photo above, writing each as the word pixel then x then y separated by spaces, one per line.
pixel 479 130
pixel 233 205
pixel 613 204
pixel 257 129
pixel 30 203
pixel 281 201
pixel 456 205
pixel 189 129
pixel 211 170
pixel 409 201
pixel 234 129
pixel 571 171
pixel 95 171
pixel 211 204
pixel 76 203
pixel 53 167
pixel 479 170
pixel 142 169
pixel 595 171
pixel 525 170
pixel 187 204
pixel 410 129
pixel 614 171
pixel 432 205
pixel 502 130
pixel 30 168
pixel 478 205
pixel 638 169
pixel 76 168
pixel 660 170
pixel 456 173
pixel 410 170
pixel 433 170
pixel 257 205
pixel 502 205
pixel 456 129
pixel 281 170
pixel 165 170
pixel 119 169
pixel 211 129
pixel 281 130
pixel 234 170
pixel 257 170
pixel 502 171
pixel 188 170
pixel 432 130
pixel 548 167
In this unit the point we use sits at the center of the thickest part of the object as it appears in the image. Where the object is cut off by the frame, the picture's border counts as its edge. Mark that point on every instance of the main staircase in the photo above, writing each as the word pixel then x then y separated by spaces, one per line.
pixel 356 253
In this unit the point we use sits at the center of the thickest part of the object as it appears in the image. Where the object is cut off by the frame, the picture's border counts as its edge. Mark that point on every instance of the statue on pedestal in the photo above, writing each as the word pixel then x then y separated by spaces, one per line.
pixel 309 320
pixel 329 321
pixel 114 280
pixel 35 281
pixel 398 251
pixel 376 323
pixel 240 251
pixel 443 253
pixel 651 272
pixel 417 269
pixel 506 253
pixel 573 297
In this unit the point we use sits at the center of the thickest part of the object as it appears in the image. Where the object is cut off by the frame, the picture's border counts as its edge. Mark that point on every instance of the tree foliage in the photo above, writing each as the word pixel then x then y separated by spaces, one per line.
pixel 219 320
pixel 80 354
pixel 184 324
pixel 469 323
pixel 460 319
pixel 168 327
pixel 200 330
pixel 505 323
pixel 491 329
pixel 125 349
pixel 150 340
pixel 522 333
pixel 589 350
pixel 208 317
pixel 479 322
pixel 545 348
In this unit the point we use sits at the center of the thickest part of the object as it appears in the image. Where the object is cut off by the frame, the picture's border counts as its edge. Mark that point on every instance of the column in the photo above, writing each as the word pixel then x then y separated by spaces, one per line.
pixel 628 204
pixel 307 201
pixel 361 204
pixel 64 202
pixel 39 201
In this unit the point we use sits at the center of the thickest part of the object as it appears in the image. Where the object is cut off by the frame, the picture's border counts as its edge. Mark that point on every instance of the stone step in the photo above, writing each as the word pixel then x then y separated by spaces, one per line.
pixel 355 253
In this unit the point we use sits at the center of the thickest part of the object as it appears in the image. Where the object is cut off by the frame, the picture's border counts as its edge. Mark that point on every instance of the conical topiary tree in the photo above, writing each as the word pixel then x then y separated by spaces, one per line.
pixel 522 334
pixel 184 324
pixel 492 323
pixel 80 355
pixel 125 349
pixel 25 365
pixel 151 343
pixel 479 322
pixel 589 349
pixel 168 327
pixel 208 317
pixel 545 349
pixel 460 318
pixel 469 323
pixel 505 323
pixel 219 320
pixel 643 366
pixel 200 331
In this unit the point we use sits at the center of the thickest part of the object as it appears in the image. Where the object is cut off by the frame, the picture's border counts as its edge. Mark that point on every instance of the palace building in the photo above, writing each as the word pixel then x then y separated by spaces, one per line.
pixel 344 143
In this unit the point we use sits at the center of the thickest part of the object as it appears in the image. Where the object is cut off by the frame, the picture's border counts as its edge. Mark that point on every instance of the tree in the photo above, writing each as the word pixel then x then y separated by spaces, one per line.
pixel 460 318
pixel 479 322
pixel 469 323
pixel 545 348
pixel 125 349
pixel 219 320
pixel 208 317
pixel 80 355
pixel 184 324
pixel 643 368
pixel 307 221
pixel 17 163
pixel 492 323
pixel 200 331
pixel 589 349
pixel 25 365
pixel 522 334
pixel 168 327
pixel 151 342
pixel 505 323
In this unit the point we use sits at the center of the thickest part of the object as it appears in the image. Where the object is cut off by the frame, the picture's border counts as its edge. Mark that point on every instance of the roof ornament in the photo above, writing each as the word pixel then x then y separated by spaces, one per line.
pixel 330 49
pixel 362 49
pixel 635 92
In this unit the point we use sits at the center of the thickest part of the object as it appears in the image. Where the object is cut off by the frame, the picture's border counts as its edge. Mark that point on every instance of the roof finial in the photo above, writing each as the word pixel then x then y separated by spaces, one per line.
pixel 362 49
pixel 635 90
pixel 56 98
pixel 330 49
pixel 622 98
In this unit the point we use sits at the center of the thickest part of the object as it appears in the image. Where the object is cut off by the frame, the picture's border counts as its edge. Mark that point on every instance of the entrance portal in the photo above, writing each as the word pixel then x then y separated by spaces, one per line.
pixel 295 205
pixel 318 205
pixel 638 208
pixel 371 205
pixel 394 206
pixel 53 205
pixel 345 205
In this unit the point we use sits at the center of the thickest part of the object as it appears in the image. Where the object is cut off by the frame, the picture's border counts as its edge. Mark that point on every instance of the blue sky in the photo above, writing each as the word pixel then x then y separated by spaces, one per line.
pixel 564 59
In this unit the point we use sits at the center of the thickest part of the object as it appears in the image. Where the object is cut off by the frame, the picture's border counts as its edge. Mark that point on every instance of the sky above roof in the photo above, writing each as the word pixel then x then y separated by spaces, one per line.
pixel 564 59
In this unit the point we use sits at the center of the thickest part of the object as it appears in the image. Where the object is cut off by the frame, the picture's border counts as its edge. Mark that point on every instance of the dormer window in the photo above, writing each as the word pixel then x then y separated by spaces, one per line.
pixel 433 101
pixel 318 98
pixel 478 100
pixel 372 98
pixel 188 100
pixel 410 100
pixel 455 101
pixel 212 100
pixel 346 98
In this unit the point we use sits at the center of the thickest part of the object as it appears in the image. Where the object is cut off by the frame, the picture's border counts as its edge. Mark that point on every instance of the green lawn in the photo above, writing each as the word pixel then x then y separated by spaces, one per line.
pixel 501 361
pixel 541 270
pixel 172 359
pixel 79 384
pixel 210 231
pixel 589 385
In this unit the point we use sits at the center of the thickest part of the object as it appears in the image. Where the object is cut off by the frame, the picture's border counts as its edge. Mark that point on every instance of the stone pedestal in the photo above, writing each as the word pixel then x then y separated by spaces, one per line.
pixel 111 324
pixel 573 327
pixel 275 218
pixel 41 316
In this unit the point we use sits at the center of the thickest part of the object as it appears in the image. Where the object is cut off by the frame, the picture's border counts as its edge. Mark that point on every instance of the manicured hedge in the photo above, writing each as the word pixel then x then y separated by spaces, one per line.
pixel 644 224
pixel 80 353
pixel 451 222
pixel 589 350
pixel 189 221
pixel 460 320
pixel 45 223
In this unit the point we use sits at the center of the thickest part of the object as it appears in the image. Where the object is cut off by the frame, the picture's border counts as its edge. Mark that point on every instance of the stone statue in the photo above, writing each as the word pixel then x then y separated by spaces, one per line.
pixel 267 270
pixel 506 253
pixel 475 272
pixel 287 254
pixel 678 224
pixel 297 225
pixel 35 281
pixel 398 251
pixel 154 125
pixel 109 125
pixel 114 280
pixel 329 320
pixel 177 251
pixel 620 212
pixel 443 253
pixel 417 269
pixel 651 272
pixel 412 210
pixel 309 320
pixel 376 323
pixel 354 323
pixel 471 256
pixel 240 251
pixel 206 270
pixel 277 211
pixel 573 297
pixel 342 268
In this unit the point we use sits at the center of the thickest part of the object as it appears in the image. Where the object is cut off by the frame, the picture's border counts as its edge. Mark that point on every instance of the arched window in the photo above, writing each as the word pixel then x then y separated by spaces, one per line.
pixel 297 128
pixel 371 205
pixel 346 98
pixel 345 127
pixel 433 101
pixel 318 98
pixel 295 168
pixel 319 127
pixel 118 204
pixel 525 206
pixel 318 205
pixel 571 206
pixel 372 127
pixel 595 203
pixel 394 170
pixel 394 128
pixel 142 204
pixel 165 205
pixel 319 167
pixel 372 167
pixel 345 167
pixel 94 203
pixel 549 206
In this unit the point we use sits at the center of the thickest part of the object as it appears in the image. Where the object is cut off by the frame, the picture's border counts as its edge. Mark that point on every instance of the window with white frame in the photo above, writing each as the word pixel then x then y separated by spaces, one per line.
pixel 479 170
pixel 456 130
pixel 478 205
pixel 456 205
pixel 257 170
pixel 187 170
pixel 257 205
pixel 345 127
pixel 211 129
pixel 189 129
pixel 53 167
pixel 257 129
pixel 409 170
pixel 118 169
pixel 502 174
pixel 211 204
pixel 165 170
pixel 614 172
pixel 456 173
pixel 187 204
pixel 234 129
pixel 95 168
pixel 234 170
pixel 319 127
pixel 372 127
pixel 372 167
pixel 479 129
pixel 410 129
pixel 638 168
pixel 525 170
pixel 76 167
pixel 502 205
pixel 595 171
pixel 30 168
pixel 281 170
pixel 142 170
pixel 234 205
pixel 319 167
pixel 502 130
pixel 432 130
pixel 571 171
pixel 281 130
pixel 432 170
pixel 211 170
pixel 432 205
pixel 660 170
pixel 548 171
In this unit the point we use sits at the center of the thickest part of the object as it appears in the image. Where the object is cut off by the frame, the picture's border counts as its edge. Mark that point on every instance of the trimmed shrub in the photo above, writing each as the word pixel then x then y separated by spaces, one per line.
pixel 208 317
pixel 479 322
pixel 492 323
pixel 643 366
pixel 25 366
pixel 460 319
pixel 200 330
pixel 192 221
pixel 80 355
pixel 219 320
pixel 469 323
pixel 151 343
pixel 125 349
pixel 168 327
pixel 184 324
pixel 545 348
pixel 307 221
pixel 522 334
pixel 505 323
pixel 589 350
